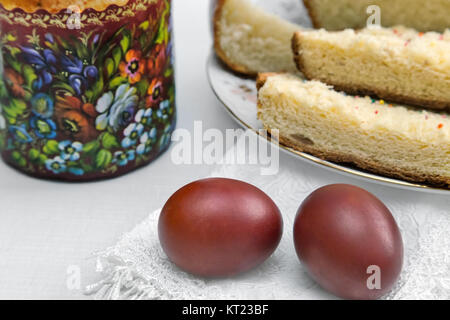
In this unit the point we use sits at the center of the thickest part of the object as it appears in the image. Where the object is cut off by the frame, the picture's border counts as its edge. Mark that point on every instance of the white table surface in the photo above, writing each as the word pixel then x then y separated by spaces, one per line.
pixel 49 228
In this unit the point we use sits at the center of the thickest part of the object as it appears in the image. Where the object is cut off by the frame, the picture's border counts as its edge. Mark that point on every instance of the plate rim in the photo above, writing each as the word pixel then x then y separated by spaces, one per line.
pixel 355 173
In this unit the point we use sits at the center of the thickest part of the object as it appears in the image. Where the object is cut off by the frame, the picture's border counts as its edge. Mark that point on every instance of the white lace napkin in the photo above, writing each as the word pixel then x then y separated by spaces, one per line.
pixel 137 268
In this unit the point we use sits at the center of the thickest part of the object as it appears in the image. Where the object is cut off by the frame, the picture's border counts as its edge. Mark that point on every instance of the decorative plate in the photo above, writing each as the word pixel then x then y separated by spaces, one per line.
pixel 238 96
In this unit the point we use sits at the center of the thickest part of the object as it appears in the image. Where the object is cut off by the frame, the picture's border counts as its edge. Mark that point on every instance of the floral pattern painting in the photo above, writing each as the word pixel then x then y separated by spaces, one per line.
pixel 91 103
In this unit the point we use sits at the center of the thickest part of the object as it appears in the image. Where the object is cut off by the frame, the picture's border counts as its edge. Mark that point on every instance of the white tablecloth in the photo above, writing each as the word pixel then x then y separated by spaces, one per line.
pixel 49 231
pixel 138 268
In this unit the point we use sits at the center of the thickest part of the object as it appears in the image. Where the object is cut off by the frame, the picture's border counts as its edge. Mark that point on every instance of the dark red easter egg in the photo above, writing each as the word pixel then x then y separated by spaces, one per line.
pixel 219 227
pixel 349 242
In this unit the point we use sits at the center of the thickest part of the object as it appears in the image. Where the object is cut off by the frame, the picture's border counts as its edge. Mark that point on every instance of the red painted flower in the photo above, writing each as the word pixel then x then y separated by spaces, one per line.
pixel 133 67
pixel 157 63
pixel 75 119
pixel 15 82
pixel 155 93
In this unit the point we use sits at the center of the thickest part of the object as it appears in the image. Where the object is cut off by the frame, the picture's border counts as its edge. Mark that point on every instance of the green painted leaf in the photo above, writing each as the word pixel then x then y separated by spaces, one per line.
pixel 15 155
pixel 66 45
pixel 22 162
pixel 19 105
pixel 29 75
pixel 144 26
pixel 91 147
pixel 33 154
pixel 42 158
pixel 15 108
pixel 16 65
pixel 19 159
pixel 163 32
pixel 143 41
pixel 103 159
pixel 117 81
pixel 117 56
pixel 2 141
pixel 125 43
pixel 168 72
pixel 109 141
pixel 64 86
pixel 110 66
pixel 10 37
pixel 142 87
pixel 86 167
pixel 3 90
pixel 97 89
pixel 82 51
pixel 51 147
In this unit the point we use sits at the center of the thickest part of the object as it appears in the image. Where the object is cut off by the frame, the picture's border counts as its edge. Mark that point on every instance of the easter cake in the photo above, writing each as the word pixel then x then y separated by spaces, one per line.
pixel 249 40
pixel 398 64
pixel 430 15
pixel 395 141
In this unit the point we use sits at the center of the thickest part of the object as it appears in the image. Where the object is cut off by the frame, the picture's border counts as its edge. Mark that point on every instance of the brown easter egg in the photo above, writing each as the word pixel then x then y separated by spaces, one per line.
pixel 219 227
pixel 349 242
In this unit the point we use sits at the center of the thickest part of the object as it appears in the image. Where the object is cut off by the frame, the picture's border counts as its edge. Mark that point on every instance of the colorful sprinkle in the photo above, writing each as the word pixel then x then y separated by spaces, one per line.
pixel 381 101
pixel 440 126
pixel 421 34
pixel 376 111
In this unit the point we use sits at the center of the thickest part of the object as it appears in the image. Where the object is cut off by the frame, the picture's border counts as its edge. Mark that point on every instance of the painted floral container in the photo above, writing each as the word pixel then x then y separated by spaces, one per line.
pixel 86 95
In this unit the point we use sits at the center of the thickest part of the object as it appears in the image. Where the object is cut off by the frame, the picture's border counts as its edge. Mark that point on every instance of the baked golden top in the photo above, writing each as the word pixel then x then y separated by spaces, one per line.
pixel 58 5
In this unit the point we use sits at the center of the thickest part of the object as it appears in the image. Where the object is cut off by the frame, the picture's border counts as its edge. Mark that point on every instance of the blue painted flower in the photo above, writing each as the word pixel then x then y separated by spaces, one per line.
pixel 117 110
pixel 49 37
pixel 166 137
pixel 163 110
pixel 43 128
pixel 42 105
pixel 147 141
pixel 72 64
pixel 122 158
pixel 20 134
pixel 132 133
pixel 76 171
pixel 43 62
pixel 96 38
pixel 80 75
pixel 56 165
pixel 90 72
pixel 70 151
pixel 144 116
pixel 78 83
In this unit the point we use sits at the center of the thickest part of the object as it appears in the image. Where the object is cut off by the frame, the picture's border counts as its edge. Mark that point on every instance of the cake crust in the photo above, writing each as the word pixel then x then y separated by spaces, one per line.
pixel 218 48
pixel 307 146
pixel 365 164
pixel 355 90
pixel 312 13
